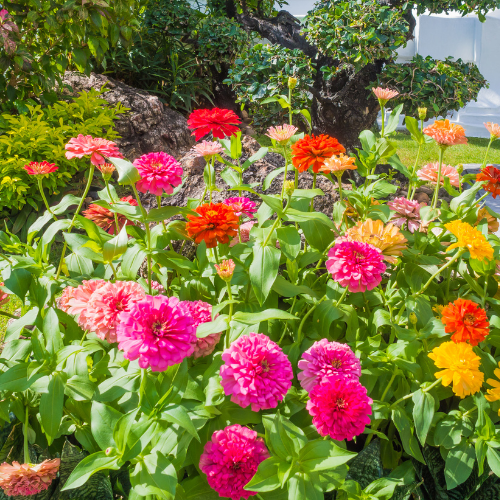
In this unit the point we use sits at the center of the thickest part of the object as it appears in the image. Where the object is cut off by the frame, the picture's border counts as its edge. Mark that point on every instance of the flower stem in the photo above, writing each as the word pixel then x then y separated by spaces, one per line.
pixel 117 226
pixel 40 187
pixel 286 169
pixel 308 313
pixel 230 295
pixel 73 220
pixel 382 109
pixel 202 199
pixel 8 315
pixel 158 202
pixel 342 297
pixel 492 138
pixel 148 236
pixel 311 208
pixel 438 184
pixel 411 192
pixel 271 231
pixel 26 445
pixel 408 396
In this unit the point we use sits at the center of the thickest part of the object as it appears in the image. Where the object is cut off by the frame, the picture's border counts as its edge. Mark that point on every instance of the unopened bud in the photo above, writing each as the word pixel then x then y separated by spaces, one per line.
pixel 460 168
pixel 289 187
pixel 413 318
pixel 422 113
pixel 110 451
pixel 107 171
pixel 225 269
pixel 292 82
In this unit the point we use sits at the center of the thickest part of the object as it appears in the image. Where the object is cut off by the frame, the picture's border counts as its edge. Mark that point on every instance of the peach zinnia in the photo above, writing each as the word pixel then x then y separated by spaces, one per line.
pixel 446 133
pixel 493 129
pixel 312 151
pixel 384 95
pixel 27 479
pixel 429 173
pixel 281 133
pixel 338 164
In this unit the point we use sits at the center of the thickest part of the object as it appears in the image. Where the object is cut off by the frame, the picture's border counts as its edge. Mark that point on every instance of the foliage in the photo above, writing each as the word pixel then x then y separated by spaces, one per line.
pixel 41 134
pixel 439 86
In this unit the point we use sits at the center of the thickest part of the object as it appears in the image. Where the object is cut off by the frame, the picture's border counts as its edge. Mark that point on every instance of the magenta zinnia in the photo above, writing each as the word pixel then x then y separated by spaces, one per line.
pixel 407 212
pixel 27 479
pixel 327 359
pixel 358 266
pixel 256 372
pixel 159 173
pixel 201 312
pixel 241 206
pixel 230 460
pixel 97 148
pixel 159 331
pixel 340 408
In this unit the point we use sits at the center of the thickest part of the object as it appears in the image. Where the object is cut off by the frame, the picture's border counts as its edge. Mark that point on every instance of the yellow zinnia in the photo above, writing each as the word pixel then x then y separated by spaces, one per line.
pixel 471 239
pixel 388 238
pixel 494 394
pixel 461 366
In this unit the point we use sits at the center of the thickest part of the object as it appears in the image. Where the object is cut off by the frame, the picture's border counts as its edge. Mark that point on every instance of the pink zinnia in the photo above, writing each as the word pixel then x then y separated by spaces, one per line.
pixel 327 359
pixel 281 133
pixel 407 212
pixel 206 149
pixel 201 312
pixel 244 233
pixel 429 173
pixel 27 479
pixel 384 94
pixel 157 287
pixel 159 331
pixel 40 168
pixel 105 305
pixel 241 206
pixel 97 148
pixel 80 296
pixel 63 301
pixel 493 129
pixel 231 459
pixel 256 372
pixel 4 297
pixel 340 408
pixel 159 173
pixel 358 266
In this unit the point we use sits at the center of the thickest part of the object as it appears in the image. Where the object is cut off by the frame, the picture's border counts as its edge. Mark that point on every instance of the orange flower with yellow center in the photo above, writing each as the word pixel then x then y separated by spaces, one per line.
pixel 388 238
pixel 446 133
pixel 469 239
pixel 338 164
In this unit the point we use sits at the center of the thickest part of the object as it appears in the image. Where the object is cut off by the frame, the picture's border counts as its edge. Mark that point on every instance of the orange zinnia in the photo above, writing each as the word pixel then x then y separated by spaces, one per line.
pixel 312 151
pixel 216 223
pixel 337 164
pixel 491 175
pixel 446 133
pixel 466 320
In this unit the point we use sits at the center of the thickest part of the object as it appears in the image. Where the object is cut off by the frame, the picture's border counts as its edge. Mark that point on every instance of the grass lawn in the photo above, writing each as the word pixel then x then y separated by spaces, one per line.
pixel 10 307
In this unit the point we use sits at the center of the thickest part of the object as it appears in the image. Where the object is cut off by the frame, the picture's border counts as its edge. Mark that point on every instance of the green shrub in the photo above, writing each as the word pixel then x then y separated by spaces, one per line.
pixel 41 135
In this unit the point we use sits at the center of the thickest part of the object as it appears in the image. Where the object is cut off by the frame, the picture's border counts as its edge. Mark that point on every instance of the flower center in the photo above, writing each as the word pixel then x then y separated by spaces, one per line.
pixel 211 213
pixel 336 363
pixel 236 465
pixel 340 404
pixel 265 366
pixel 158 327
pixel 469 319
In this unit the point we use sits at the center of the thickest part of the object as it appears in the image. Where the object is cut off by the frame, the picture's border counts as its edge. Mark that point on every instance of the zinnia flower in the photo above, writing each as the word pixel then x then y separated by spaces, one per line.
pixel 388 238
pixel 491 175
pixel 201 312
pixel 470 239
pixel 338 164
pixel 225 269
pixel 97 148
pixel 216 223
pixel 159 173
pixel 40 168
pixel 384 95
pixel 242 206
pixel 256 372
pixel 230 460
pixel 493 224
pixel 281 133
pixel 407 212
pixel 494 394
pixel 493 129
pixel 312 151
pixel 429 173
pixel 27 479
pixel 206 149
pixel 466 320
pixel 107 170
pixel 63 301
pixel 159 331
pixel 158 287
pixel 340 408
pixel 77 304
pixel 221 122
pixel 104 218
pixel 355 265
pixel 460 365
pixel 327 359
pixel 244 233
pixel 446 133
pixel 101 315
pixel 4 297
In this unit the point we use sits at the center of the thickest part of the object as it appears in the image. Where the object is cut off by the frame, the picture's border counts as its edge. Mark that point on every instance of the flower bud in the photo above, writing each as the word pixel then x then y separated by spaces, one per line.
pixel 413 318
pixel 107 170
pixel 460 168
pixel 225 269
pixel 110 451
pixel 422 113
pixel 292 82
pixel 289 187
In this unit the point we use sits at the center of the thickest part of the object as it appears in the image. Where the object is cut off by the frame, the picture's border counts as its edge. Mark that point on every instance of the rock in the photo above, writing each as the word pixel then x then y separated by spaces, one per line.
pixel 149 126
pixel 422 198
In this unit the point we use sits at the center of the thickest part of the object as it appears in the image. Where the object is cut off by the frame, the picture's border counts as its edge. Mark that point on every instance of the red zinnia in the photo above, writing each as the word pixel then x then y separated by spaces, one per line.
pixel 104 218
pixel 491 175
pixel 40 168
pixel 221 122
pixel 312 151
pixel 216 223
pixel 466 320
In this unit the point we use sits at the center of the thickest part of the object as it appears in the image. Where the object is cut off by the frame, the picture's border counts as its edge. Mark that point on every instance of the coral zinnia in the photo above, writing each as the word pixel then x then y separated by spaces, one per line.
pixel 206 149
pixel 159 173
pixel 340 408
pixel 494 394
pixel 355 265
pixel 97 148
pixel 104 218
pixel 407 212
pixel 40 168
pixel 77 304
pixel 63 301
pixel 460 365
pixel 312 151
pixel 105 305
pixel 388 238
pixel 159 331
pixel 326 359
pixel 281 133
pixel 221 122
pixel 27 479
pixel 493 129
pixel 256 372
pixel 216 223
pixel 491 175
pixel 244 233
pixel 446 133
pixel 429 173
pixel 201 312
pixel 384 95
pixel 230 460
pixel 338 164
pixel 225 269
pixel 470 239
pixel 466 320
pixel 242 206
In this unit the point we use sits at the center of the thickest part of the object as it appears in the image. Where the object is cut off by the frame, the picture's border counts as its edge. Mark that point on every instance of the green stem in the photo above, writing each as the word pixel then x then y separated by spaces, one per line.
pixel 408 396
pixel 308 313
pixel 158 202
pixel 382 109
pixel 290 114
pixel 117 226
pixel 311 208
pixel 6 258
pixel 410 186
pixel 8 315
pixel 492 138
pixel 114 271
pixel 342 297
pixel 40 187
pixel 142 388
pixel 73 220
pixel 296 179
pixel 286 170
pixel 228 336
pixel 483 298
pixel 148 235
pixel 273 227
pixel 216 255
pixel 26 445
pixel 202 199
pixel 438 184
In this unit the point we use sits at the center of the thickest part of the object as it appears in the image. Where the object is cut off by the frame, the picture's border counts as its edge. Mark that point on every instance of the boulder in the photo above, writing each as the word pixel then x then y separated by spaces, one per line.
pixel 149 126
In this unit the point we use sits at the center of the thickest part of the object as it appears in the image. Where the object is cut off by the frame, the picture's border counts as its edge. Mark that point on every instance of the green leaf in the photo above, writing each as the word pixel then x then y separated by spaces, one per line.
pixel 51 406
pixel 406 431
pixel 132 260
pixel 289 240
pixel 466 198
pixel 116 246
pixel 263 270
pixel 383 488
pixel 19 282
pixel 157 476
pixel 300 487
pixel 127 173
pixel 317 234
pixel 459 464
pixel 266 477
pixel 138 438
pixel 322 455
pixel 218 325
pixel 177 414
pixel 493 460
pixel 298 216
pixel 51 331
pixel 254 318
pixel 393 120
pixel 103 419
pixel 287 289
pixel 255 157
pixel 16 327
pixel 122 429
pixel 80 388
pixel 15 379
pixel 271 176
pixel 423 413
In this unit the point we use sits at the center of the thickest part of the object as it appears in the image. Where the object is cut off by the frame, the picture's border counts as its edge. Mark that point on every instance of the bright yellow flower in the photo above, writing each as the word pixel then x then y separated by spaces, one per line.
pixel 471 239
pixel 494 394
pixel 460 365
pixel 388 238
